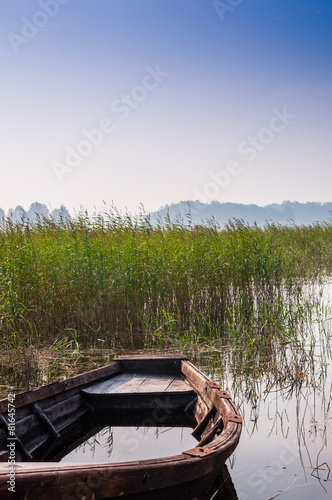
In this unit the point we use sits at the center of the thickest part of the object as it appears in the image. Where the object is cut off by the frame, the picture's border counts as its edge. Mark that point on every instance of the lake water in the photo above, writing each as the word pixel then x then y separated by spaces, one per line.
pixel 123 444
pixel 285 450
pixel 284 397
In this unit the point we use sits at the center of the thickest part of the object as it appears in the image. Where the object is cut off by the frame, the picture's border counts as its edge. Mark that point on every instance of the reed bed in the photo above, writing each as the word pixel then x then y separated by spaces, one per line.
pixel 90 278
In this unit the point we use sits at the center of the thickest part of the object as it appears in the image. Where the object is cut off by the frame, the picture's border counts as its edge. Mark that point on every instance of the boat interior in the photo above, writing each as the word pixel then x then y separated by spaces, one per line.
pixel 133 391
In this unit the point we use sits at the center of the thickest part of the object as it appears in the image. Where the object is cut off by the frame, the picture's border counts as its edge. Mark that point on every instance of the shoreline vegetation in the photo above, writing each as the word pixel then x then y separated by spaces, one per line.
pixel 82 283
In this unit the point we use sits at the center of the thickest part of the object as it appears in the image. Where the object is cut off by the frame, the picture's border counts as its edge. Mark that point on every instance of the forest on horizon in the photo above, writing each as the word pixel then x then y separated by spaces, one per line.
pixel 196 212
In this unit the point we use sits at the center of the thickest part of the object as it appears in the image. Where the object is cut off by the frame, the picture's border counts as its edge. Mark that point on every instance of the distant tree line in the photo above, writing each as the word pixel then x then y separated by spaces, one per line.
pixel 284 213
pixel 198 213
pixel 37 211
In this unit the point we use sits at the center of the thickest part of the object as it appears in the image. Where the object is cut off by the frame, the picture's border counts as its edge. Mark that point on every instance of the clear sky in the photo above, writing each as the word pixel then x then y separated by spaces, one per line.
pixel 157 101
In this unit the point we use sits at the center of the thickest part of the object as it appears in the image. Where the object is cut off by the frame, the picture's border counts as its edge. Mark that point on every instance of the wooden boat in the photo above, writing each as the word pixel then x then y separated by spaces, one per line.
pixel 38 428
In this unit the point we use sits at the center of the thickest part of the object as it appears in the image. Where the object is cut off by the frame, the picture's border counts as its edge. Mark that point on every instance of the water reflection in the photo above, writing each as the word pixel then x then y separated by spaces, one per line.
pixel 283 390
pixel 124 444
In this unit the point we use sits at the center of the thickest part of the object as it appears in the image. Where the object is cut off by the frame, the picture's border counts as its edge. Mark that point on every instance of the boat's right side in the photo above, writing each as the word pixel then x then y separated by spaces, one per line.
pixel 219 423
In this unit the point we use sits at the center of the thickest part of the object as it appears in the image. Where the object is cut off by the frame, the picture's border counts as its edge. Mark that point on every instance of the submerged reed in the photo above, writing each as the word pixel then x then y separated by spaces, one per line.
pixel 87 279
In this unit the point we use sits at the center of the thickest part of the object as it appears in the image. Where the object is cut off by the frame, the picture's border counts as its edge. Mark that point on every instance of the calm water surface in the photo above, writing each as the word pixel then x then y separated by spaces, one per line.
pixel 285 450
pixel 123 444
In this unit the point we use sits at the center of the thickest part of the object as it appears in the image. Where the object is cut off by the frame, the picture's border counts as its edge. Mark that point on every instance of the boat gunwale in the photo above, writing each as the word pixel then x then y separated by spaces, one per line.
pixel 55 388
pixel 226 440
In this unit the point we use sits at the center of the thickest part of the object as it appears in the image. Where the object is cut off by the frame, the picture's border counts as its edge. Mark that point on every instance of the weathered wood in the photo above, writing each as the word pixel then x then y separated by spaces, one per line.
pixel 28 428
pixel 45 420
pixel 69 435
pixel 110 385
pixel 190 407
pixel 178 385
pixel 198 431
pixel 65 413
pixel 140 391
pixel 130 477
pixel 140 401
pixel 201 384
pixel 210 435
pixel 135 383
pixel 25 453
pixel 131 386
pixel 161 365
pixel 4 456
pixel 78 440
pixel 155 384
pixel 150 387
pixel 147 358
pixel 198 487
pixel 199 452
pixel 46 391
pixel 210 394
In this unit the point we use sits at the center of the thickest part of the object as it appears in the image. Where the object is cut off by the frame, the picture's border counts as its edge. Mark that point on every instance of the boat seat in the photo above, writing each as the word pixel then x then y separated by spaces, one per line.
pixel 133 383
pixel 139 390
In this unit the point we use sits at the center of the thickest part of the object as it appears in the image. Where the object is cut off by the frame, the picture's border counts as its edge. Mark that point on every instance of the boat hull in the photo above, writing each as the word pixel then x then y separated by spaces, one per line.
pixel 128 392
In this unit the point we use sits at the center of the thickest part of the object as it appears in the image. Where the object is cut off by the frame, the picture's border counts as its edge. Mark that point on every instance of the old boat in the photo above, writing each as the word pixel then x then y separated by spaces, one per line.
pixel 39 427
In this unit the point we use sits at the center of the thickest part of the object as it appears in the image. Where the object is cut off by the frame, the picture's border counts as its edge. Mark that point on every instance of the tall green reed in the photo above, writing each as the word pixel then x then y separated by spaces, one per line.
pixel 112 273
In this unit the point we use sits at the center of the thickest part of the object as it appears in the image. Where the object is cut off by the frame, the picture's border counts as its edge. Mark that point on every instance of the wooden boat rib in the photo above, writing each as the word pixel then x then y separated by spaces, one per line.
pixel 158 390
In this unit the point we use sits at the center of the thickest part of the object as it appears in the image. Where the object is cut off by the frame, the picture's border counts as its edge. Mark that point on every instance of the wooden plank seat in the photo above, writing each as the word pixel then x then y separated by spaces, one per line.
pixel 141 390
pixel 129 383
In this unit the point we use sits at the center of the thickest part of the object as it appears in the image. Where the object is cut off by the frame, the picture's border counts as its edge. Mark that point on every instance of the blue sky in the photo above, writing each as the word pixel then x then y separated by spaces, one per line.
pixel 157 101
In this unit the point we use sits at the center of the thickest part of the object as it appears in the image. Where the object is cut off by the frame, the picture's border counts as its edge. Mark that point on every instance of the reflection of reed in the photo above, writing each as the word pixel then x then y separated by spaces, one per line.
pixel 314 427
pixel 223 488
pixel 284 389
pixel 103 439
